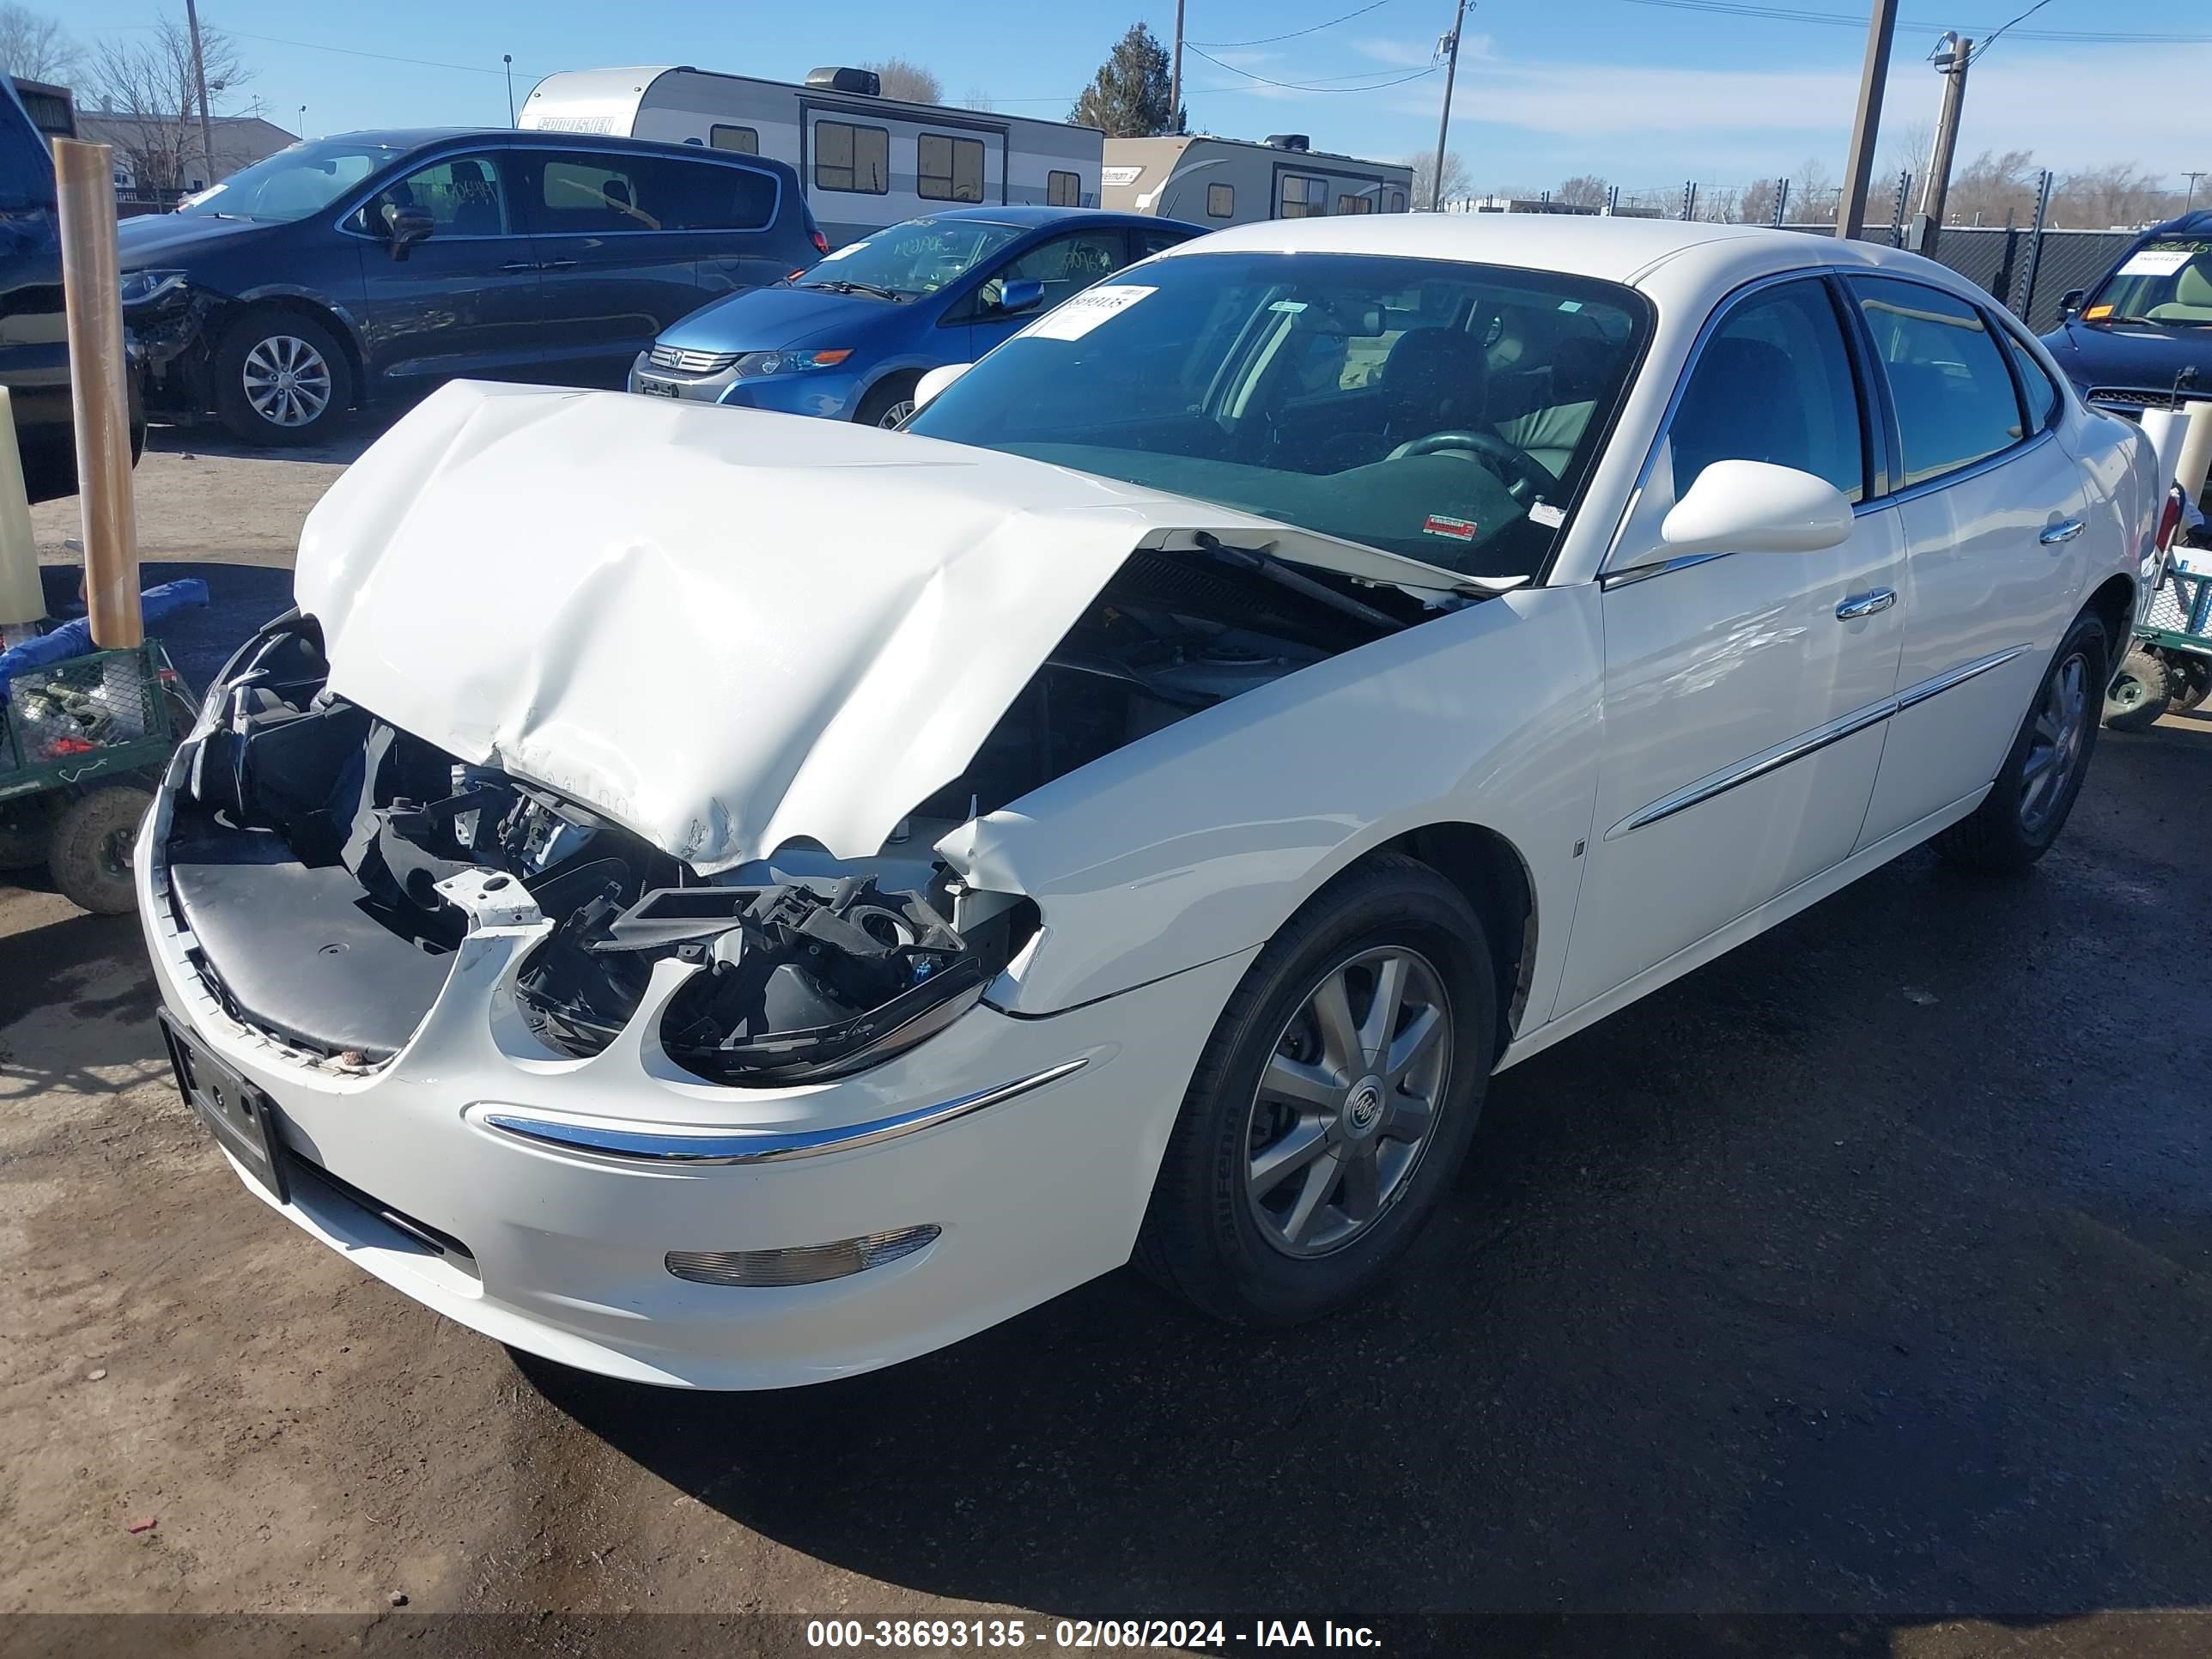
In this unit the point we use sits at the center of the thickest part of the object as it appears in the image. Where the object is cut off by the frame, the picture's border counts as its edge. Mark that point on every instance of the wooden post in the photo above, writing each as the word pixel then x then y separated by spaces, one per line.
pixel 85 179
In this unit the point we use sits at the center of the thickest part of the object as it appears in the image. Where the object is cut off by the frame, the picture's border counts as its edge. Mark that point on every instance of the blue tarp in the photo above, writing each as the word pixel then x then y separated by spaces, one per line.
pixel 73 639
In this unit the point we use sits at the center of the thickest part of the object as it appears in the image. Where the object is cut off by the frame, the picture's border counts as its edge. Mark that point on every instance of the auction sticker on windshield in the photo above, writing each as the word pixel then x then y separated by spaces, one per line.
pixel 1079 316
pixel 2156 262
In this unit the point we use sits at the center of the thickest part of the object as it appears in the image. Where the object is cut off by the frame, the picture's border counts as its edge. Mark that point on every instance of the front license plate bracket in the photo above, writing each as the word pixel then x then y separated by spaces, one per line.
pixel 242 1119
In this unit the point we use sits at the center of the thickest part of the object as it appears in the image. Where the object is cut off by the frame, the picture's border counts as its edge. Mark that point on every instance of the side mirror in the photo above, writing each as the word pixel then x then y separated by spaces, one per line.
pixel 2070 302
pixel 935 381
pixel 404 227
pixel 1754 506
pixel 1013 298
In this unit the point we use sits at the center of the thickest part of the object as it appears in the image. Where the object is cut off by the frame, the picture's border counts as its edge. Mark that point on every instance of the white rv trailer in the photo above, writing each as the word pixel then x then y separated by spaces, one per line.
pixel 866 162
pixel 1233 181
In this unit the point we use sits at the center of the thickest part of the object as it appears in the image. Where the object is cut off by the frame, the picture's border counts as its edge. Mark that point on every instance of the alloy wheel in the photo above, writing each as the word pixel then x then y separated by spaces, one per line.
pixel 288 381
pixel 898 412
pixel 1348 1100
pixel 2054 742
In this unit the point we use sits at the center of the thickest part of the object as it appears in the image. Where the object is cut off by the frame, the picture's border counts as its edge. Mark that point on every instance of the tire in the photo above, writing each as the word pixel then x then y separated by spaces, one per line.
pixel 1216 1233
pixel 91 855
pixel 2194 675
pixel 2139 693
pixel 888 401
pixel 272 343
pixel 2034 794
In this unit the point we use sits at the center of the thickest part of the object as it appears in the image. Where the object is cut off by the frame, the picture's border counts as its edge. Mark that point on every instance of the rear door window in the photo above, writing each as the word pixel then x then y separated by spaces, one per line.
pixel 585 193
pixel 1947 378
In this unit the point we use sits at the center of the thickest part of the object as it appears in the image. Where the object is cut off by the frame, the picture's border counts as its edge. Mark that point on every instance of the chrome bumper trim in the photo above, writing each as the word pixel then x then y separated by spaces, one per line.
pixel 665 1146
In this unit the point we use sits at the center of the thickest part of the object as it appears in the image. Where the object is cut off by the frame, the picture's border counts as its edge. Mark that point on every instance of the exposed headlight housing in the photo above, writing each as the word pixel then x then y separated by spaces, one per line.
pixel 799 981
pixel 142 287
pixel 754 365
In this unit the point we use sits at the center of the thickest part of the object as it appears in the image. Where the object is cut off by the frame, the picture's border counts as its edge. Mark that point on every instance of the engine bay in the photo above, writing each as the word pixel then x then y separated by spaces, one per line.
pixel 311 844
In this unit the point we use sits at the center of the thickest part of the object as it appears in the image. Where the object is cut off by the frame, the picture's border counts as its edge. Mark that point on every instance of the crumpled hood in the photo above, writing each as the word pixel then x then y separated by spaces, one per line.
pixel 723 628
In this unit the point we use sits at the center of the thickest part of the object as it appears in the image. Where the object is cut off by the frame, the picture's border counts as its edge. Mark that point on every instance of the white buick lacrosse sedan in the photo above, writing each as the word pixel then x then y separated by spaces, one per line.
pixel 727 900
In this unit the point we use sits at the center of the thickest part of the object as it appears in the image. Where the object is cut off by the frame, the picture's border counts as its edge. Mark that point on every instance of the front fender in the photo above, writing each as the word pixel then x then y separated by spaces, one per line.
pixel 1200 840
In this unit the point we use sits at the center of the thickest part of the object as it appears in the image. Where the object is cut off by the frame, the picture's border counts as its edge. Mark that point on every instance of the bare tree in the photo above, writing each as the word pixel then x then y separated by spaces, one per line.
pixel 2107 197
pixel 1457 185
pixel 975 98
pixel 1583 189
pixel 149 83
pixel 1719 205
pixel 36 47
pixel 907 82
pixel 1755 206
pixel 1813 194
pixel 1994 186
pixel 1910 149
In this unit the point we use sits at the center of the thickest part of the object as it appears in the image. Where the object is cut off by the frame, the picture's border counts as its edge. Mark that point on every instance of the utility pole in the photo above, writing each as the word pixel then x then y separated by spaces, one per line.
pixel 1174 73
pixel 2193 178
pixel 507 59
pixel 1952 55
pixel 1858 169
pixel 1450 46
pixel 199 79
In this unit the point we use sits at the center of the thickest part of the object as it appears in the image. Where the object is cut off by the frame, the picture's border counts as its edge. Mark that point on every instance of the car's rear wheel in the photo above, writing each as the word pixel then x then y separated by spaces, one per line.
pixel 889 402
pixel 1331 1105
pixel 281 378
pixel 2035 788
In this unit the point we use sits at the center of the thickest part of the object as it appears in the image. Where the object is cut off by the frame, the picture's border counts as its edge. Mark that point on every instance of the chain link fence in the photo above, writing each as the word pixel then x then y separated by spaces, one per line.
pixel 2007 261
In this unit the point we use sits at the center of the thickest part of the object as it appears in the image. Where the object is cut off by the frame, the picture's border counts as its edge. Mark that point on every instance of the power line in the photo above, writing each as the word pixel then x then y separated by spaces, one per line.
pixel 349 51
pixel 1992 40
pixel 1309 86
pixel 1845 20
pixel 1268 40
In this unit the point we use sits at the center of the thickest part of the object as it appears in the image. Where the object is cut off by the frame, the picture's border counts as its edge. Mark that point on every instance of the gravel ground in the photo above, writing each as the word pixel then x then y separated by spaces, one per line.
pixel 1866 1272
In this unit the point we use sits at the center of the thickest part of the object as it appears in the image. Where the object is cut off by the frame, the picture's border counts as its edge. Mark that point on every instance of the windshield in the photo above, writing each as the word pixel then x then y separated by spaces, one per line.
pixel 909 260
pixel 2168 280
pixel 1445 411
pixel 293 183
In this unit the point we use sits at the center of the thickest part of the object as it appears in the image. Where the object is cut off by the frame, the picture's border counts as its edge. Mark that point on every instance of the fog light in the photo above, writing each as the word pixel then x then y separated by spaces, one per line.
pixel 803 1264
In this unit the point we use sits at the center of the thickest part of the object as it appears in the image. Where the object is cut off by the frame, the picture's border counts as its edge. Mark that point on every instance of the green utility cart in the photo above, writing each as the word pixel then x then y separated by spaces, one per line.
pixel 81 743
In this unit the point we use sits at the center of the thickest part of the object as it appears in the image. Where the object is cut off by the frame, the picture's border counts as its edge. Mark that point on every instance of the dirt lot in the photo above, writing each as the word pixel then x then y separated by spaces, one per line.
pixel 1867 1271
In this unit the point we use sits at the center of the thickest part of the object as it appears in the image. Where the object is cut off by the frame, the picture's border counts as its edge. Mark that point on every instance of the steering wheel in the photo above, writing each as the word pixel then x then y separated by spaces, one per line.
pixel 1524 476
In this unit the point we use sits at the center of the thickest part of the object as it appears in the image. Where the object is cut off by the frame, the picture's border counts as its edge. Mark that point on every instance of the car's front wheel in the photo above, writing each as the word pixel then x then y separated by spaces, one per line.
pixel 2028 803
pixel 1332 1103
pixel 888 402
pixel 281 378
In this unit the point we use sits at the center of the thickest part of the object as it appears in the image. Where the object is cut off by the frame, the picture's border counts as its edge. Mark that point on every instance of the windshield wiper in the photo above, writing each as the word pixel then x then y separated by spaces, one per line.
pixel 846 285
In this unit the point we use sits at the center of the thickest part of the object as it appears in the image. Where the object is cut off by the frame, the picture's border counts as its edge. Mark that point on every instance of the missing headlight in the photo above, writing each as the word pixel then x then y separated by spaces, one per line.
pixel 800 979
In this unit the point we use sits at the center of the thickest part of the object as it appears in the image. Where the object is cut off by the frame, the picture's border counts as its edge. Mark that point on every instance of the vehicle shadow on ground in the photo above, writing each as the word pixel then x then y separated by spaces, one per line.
pixel 342 447
pixel 1861 1272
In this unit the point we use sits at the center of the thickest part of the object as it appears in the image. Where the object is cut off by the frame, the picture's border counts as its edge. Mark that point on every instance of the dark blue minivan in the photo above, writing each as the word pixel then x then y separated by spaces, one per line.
pixel 373 265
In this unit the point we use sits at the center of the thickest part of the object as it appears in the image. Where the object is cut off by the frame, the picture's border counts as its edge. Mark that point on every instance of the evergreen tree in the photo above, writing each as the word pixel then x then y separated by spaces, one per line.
pixel 1129 99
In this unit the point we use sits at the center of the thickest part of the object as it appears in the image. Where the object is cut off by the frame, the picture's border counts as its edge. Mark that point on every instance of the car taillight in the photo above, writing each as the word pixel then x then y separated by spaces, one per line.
pixel 821 242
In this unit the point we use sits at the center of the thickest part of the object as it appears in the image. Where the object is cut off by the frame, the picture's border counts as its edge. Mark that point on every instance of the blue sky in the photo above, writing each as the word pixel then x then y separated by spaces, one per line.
pixel 1645 95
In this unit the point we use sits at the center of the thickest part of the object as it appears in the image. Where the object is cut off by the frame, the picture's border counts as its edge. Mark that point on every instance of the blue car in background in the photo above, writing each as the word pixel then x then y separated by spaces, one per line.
pixel 850 339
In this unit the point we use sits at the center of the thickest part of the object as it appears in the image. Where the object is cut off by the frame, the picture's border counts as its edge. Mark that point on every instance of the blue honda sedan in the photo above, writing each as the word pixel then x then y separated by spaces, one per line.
pixel 849 339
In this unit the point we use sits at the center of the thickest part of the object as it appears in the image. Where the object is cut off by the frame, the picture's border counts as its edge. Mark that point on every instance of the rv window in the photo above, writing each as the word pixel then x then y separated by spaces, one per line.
pixel 1221 201
pixel 745 140
pixel 1063 190
pixel 1397 201
pixel 948 169
pixel 850 158
pixel 1302 197
pixel 1364 202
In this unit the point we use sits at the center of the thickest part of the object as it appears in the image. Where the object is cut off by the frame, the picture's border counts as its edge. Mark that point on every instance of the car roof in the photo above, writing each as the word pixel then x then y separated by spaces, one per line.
pixel 1618 250
pixel 2199 223
pixel 408 138
pixel 1030 217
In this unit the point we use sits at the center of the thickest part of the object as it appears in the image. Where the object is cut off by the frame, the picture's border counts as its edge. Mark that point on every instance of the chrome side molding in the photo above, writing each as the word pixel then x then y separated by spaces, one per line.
pixel 1810 743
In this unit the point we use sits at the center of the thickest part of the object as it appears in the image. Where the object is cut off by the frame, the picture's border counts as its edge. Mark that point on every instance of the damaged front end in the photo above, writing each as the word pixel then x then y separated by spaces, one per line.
pixel 317 858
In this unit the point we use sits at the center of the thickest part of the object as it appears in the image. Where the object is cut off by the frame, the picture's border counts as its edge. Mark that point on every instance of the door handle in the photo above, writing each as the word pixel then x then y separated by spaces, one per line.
pixel 558 265
pixel 1865 604
pixel 2062 533
pixel 520 265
